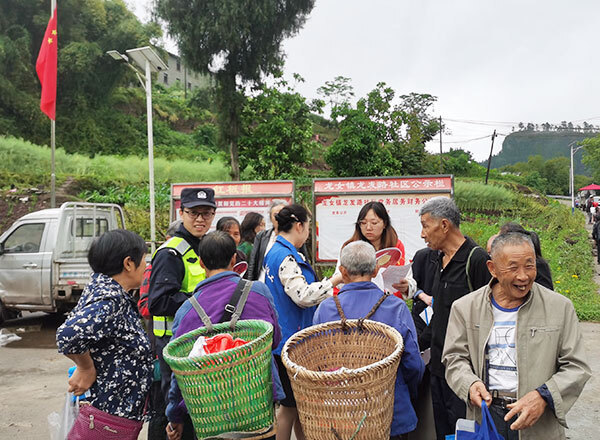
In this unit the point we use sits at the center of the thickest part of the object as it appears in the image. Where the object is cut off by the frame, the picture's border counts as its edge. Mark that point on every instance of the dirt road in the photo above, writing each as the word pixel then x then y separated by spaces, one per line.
pixel 33 382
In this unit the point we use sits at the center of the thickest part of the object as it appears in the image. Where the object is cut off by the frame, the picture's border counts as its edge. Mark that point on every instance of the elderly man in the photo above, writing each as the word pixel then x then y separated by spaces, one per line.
pixel 458 268
pixel 357 298
pixel 516 345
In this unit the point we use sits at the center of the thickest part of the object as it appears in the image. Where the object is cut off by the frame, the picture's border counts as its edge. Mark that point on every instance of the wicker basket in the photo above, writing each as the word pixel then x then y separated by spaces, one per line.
pixel 343 379
pixel 229 391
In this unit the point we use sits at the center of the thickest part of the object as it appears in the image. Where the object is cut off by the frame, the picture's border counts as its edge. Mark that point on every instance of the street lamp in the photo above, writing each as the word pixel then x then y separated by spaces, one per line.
pixel 148 60
pixel 572 174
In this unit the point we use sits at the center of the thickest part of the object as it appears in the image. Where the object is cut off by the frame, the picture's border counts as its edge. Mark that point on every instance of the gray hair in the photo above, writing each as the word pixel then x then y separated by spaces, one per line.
pixel 440 208
pixel 173 228
pixel 276 202
pixel 358 258
pixel 510 239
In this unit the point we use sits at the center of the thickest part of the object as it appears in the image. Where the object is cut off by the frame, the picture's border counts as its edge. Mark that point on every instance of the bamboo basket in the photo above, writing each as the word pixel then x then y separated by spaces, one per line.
pixel 343 378
pixel 229 391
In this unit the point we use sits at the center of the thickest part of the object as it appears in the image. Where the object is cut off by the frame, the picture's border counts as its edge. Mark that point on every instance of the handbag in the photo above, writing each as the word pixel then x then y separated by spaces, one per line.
pixel 94 424
pixel 486 431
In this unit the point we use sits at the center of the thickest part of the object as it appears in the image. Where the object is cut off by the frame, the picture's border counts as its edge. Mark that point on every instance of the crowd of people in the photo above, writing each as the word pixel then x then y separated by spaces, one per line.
pixel 498 333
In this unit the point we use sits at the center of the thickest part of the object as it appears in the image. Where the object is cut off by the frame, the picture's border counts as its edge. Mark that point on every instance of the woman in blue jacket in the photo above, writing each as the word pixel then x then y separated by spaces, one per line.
pixel 296 292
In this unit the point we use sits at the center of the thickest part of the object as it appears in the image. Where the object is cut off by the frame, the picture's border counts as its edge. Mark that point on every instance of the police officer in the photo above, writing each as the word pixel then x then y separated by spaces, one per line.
pixel 176 269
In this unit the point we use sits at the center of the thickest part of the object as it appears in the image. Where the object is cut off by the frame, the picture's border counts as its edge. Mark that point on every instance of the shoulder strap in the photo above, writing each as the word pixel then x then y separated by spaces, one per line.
pixel 201 313
pixel 367 316
pixel 468 268
pixel 235 306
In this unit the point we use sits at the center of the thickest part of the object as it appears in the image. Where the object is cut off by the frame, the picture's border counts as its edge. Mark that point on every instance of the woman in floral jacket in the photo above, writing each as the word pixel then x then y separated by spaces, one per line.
pixel 103 334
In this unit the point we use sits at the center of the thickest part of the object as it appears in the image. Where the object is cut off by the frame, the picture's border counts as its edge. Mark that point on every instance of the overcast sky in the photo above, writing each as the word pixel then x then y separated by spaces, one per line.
pixel 494 63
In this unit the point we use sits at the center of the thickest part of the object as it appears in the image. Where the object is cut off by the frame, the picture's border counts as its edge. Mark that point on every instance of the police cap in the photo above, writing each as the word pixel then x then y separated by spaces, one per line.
pixel 191 197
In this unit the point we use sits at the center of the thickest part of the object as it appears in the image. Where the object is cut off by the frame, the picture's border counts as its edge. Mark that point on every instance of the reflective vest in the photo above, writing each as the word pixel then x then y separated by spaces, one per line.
pixel 194 273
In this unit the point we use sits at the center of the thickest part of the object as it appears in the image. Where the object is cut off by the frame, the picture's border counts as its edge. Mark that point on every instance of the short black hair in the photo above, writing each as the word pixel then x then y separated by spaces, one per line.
pixel 216 250
pixel 225 223
pixel 108 251
pixel 289 215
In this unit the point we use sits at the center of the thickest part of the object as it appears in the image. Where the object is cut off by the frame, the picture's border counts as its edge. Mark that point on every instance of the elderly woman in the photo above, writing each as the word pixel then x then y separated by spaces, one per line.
pixel 296 292
pixel 104 336
pixel 358 296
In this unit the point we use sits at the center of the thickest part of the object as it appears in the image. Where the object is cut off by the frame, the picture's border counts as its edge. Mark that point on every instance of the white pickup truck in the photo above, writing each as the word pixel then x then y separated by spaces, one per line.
pixel 43 256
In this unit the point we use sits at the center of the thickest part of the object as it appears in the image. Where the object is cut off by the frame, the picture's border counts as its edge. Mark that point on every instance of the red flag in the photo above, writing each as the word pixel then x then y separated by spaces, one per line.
pixel 46 68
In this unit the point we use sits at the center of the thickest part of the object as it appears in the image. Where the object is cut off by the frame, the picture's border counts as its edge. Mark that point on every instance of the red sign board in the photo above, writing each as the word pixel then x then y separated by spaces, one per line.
pixel 236 199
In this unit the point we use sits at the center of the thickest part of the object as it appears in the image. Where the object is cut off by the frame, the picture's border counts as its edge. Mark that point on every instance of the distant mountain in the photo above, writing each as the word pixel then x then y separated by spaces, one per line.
pixel 518 146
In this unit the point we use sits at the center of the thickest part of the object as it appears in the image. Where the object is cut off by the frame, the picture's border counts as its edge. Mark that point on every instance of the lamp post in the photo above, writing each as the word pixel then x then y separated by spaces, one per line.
pixel 148 60
pixel 572 174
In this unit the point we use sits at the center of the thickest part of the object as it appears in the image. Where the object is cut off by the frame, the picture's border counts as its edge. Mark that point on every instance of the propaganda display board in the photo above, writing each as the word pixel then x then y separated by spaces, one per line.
pixel 337 203
pixel 236 199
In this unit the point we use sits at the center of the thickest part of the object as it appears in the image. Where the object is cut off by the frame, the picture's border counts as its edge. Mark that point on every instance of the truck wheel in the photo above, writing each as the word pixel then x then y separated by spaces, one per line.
pixel 6 314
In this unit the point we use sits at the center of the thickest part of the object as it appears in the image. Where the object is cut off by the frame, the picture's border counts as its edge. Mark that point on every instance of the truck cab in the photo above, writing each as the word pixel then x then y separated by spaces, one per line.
pixel 43 256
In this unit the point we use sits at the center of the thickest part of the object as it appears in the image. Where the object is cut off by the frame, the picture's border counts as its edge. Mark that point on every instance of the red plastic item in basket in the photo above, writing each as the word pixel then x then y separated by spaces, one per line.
pixel 221 343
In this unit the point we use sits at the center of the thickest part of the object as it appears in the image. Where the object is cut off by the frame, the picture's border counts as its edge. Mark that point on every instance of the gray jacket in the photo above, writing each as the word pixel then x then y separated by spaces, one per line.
pixel 549 351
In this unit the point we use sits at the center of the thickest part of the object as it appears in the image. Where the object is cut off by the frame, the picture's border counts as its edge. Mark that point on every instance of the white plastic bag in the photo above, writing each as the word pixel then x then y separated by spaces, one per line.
pixel 199 347
pixel 60 425
pixel 7 337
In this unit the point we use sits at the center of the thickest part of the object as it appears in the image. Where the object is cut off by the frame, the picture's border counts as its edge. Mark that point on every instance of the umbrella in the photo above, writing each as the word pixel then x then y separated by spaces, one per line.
pixel 592 186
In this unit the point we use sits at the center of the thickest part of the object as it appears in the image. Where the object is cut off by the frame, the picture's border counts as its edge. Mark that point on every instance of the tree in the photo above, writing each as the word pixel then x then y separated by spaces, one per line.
pixel 358 150
pixel 337 92
pixel 240 40
pixel 276 138
pixel 591 155
pixel 460 163
pixel 556 173
pixel 395 132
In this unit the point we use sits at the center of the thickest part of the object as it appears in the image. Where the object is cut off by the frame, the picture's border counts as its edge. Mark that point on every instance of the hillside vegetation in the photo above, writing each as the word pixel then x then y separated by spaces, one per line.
pixel 518 146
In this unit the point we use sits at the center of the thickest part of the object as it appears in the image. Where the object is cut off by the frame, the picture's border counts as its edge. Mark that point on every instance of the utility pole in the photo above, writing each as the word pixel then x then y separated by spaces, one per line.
pixel 441 152
pixel 490 158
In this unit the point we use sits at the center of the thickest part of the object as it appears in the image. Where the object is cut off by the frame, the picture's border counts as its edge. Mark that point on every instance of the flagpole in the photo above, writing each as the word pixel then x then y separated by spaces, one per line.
pixel 52 140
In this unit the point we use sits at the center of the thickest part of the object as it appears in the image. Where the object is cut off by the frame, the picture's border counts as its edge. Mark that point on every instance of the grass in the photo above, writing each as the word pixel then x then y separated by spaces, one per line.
pixel 23 163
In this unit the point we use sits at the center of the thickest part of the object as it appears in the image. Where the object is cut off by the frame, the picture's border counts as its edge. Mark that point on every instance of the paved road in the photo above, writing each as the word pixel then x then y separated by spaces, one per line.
pixel 33 381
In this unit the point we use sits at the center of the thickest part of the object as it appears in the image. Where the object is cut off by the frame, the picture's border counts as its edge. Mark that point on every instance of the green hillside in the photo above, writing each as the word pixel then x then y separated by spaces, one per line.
pixel 518 146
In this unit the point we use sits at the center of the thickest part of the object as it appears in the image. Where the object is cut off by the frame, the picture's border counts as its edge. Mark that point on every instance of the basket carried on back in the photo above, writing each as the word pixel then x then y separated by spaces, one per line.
pixel 343 378
pixel 229 391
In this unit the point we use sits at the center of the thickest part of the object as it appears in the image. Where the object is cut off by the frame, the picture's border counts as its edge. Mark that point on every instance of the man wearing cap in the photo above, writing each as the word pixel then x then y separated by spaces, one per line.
pixel 176 269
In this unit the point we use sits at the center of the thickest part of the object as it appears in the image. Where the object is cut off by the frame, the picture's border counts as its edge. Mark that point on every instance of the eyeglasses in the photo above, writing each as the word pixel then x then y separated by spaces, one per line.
pixel 206 215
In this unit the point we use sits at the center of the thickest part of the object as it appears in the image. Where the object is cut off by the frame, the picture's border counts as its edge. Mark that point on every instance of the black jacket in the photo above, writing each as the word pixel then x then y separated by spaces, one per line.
pixel 423 266
pixel 168 271
pixel 449 284
pixel 544 275
pixel 257 255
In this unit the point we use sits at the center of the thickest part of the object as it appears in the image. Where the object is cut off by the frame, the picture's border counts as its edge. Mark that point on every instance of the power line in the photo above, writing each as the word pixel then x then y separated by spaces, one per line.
pixel 506 123
pixel 464 141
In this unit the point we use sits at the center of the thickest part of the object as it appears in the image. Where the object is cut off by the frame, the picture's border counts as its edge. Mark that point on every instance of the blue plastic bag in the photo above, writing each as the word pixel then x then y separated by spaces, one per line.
pixel 486 431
